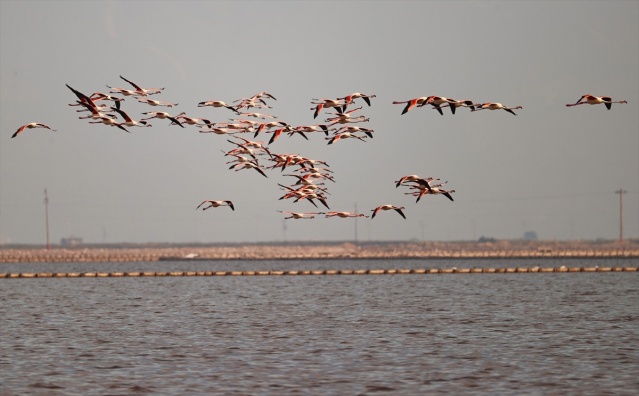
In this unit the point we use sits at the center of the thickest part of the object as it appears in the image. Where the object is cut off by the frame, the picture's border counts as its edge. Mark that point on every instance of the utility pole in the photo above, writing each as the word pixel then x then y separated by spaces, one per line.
pixel 46 214
pixel 621 192
pixel 284 229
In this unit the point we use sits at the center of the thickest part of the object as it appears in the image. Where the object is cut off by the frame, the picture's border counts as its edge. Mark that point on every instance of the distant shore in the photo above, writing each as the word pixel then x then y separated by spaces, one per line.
pixel 314 251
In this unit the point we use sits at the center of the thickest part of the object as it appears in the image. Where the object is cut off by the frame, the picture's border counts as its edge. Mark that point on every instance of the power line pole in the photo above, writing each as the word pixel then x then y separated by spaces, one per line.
pixel 621 192
pixel 284 229
pixel 46 213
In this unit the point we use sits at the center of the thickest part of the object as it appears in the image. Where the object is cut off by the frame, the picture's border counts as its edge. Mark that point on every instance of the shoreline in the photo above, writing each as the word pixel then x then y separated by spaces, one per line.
pixel 329 251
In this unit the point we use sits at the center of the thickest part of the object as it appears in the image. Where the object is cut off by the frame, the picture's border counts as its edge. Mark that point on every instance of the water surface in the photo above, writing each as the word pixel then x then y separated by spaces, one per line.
pixel 556 333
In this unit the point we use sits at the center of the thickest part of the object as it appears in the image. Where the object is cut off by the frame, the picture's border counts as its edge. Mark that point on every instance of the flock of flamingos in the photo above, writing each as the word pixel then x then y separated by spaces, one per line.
pixel 310 175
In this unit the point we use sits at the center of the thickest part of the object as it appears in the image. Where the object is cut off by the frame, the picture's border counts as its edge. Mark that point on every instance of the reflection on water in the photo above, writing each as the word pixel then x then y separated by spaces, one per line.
pixel 394 334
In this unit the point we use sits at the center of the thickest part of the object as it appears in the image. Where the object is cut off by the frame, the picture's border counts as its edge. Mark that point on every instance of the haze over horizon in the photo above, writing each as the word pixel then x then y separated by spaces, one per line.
pixel 551 169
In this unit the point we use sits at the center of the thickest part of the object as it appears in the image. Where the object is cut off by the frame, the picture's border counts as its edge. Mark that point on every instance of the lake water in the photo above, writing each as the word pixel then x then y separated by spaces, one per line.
pixel 544 333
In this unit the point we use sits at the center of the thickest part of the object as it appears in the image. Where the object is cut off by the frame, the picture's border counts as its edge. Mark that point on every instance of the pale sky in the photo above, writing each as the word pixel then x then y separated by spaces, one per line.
pixel 551 169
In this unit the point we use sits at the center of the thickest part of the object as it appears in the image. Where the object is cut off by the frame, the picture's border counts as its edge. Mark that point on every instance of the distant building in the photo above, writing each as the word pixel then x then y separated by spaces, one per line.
pixel 71 241
pixel 530 236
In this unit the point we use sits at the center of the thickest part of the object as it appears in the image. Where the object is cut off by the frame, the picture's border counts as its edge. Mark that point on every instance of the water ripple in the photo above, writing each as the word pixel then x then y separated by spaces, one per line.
pixel 399 335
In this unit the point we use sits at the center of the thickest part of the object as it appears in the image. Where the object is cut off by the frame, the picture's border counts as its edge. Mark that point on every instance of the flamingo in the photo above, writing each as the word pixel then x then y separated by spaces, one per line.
pixel 349 120
pixel 128 121
pixel 124 91
pixel 96 114
pixel 248 103
pixel 217 103
pixel 326 103
pixel 454 104
pixel 154 102
pixel 355 95
pixel 218 131
pixel 81 97
pixel 238 158
pixel 431 190
pixel 248 165
pixel 343 114
pixel 263 94
pixel 496 106
pixel 31 125
pixel 397 209
pixel 248 145
pixel 313 128
pixel 311 162
pixel 310 196
pixel 162 115
pixel 310 178
pixel 316 174
pixel 88 102
pixel 258 115
pixel 411 103
pixel 345 214
pixel 269 125
pixel 344 135
pixel 300 215
pixel 352 128
pixel 412 178
pixel 139 91
pixel 436 102
pixel 215 204
pixel 192 121
pixel 109 121
pixel 102 96
pixel 305 192
pixel 306 169
pixel 593 100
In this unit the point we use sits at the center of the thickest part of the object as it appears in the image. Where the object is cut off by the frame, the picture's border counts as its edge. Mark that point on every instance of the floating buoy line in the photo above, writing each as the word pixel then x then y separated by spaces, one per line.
pixel 422 271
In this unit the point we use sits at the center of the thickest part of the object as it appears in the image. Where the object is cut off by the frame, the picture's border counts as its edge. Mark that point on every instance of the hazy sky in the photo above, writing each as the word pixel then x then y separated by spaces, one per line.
pixel 551 169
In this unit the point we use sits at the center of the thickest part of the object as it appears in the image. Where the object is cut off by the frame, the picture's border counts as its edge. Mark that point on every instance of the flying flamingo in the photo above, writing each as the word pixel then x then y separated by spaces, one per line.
pixel 96 114
pixel 217 103
pixel 454 104
pixel 411 103
pixel 436 102
pixel 312 128
pixel 248 103
pixel 109 121
pixel 248 165
pixel 258 115
pixel 192 120
pixel 300 215
pixel 326 103
pixel 345 214
pixel 262 95
pixel 593 100
pixel 355 95
pixel 344 135
pixel 353 128
pixel 431 190
pixel 218 131
pixel 215 204
pixel 154 102
pixel 162 115
pixel 139 91
pixel 397 209
pixel 411 178
pixel 496 106
pixel 269 125
pixel 30 125
pixel 81 97
pixel 102 96
pixel 128 121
